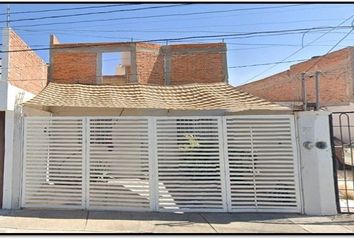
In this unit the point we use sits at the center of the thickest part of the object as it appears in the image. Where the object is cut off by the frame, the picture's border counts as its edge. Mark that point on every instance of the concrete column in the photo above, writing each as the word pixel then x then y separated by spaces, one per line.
pixel 5 55
pixel 225 68
pixel 316 163
pixel 133 65
pixel 5 68
pixel 166 64
pixel 8 163
pixel 18 148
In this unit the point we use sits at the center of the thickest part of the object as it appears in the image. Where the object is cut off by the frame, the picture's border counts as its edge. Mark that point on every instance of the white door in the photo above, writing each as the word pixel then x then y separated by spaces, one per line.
pixel 262 164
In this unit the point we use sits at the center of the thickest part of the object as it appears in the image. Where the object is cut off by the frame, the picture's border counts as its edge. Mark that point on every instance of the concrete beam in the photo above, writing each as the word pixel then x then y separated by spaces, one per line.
pixel 166 64
pixel 134 74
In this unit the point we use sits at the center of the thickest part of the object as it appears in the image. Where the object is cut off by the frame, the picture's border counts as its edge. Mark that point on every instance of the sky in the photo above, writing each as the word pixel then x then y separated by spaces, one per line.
pixel 231 18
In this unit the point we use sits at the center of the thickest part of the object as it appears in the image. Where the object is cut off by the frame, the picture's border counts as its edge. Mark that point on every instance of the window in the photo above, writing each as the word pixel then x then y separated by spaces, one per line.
pixel 109 63
pixel 115 67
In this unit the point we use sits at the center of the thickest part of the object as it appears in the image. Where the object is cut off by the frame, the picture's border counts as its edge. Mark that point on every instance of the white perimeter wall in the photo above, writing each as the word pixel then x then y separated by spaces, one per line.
pixel 316 164
pixel 13 136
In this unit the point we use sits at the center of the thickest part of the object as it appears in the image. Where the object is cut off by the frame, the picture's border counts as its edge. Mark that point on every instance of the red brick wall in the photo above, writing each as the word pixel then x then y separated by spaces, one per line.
pixel 189 63
pixel 73 67
pixel 77 62
pixel 26 69
pixel 149 64
pixel 336 81
pixel 197 63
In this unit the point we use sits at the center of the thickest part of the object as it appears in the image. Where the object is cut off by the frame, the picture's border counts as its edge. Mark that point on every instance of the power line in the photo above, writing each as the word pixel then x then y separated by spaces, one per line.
pixel 292 54
pixel 260 46
pixel 200 53
pixel 70 9
pixel 122 30
pixel 66 31
pixel 31 32
pixel 269 63
pixel 193 18
pixel 232 67
pixel 210 17
pixel 75 29
pixel 162 15
pixel 95 13
pixel 331 49
pixel 248 34
pixel 282 33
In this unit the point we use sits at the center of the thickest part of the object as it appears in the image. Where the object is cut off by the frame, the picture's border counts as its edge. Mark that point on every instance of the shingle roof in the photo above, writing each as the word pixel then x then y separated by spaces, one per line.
pixel 217 96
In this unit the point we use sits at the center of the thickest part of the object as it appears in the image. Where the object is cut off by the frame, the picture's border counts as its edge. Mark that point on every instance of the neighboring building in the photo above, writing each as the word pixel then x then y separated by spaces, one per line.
pixel 23 75
pixel 336 91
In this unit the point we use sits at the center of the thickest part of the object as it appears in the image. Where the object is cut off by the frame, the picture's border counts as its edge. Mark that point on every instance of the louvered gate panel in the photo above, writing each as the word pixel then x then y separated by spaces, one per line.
pixel 262 163
pixel 119 164
pixel 189 169
pixel 53 163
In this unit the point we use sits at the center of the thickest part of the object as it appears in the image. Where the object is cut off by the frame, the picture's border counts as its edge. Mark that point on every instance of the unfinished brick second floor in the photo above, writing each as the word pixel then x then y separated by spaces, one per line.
pixel 137 62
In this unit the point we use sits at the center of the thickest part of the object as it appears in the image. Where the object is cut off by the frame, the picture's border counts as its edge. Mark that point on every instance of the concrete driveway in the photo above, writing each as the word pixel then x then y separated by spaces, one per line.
pixel 35 221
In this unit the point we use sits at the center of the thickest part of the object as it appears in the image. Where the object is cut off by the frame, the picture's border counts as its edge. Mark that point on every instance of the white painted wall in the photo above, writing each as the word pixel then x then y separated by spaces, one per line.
pixel 3 95
pixel 14 93
pixel 10 96
pixel 316 164
pixel 13 141
pixel 8 163
pixel 4 69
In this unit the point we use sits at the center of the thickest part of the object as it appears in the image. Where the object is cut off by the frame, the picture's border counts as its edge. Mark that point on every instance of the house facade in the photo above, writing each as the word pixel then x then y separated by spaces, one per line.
pixel 145 127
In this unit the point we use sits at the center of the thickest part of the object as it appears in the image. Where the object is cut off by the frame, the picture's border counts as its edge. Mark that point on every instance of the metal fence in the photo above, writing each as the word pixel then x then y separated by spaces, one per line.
pixel 234 163
pixel 342 125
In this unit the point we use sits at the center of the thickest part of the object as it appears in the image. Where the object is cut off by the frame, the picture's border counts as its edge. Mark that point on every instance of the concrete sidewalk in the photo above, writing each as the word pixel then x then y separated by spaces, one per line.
pixel 35 221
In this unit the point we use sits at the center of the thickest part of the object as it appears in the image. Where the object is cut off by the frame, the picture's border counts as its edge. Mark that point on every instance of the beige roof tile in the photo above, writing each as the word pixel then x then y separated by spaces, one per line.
pixel 216 96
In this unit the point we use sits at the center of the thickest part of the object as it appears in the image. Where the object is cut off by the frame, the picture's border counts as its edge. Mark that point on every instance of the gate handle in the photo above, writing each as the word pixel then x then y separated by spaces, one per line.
pixel 321 145
pixel 308 145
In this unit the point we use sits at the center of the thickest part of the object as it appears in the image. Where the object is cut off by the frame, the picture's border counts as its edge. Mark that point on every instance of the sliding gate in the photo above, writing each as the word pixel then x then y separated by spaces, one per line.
pixel 236 163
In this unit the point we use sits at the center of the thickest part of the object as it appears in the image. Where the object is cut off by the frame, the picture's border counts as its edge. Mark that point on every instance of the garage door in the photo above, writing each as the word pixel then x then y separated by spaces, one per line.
pixel 219 164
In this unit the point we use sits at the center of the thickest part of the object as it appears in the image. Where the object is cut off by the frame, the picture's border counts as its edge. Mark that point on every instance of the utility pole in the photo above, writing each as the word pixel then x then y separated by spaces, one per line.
pixel 317 79
pixel 8 16
pixel 303 92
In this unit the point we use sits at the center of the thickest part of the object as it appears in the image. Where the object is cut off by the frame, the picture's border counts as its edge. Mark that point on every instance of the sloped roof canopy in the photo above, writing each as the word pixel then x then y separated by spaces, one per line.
pixel 217 96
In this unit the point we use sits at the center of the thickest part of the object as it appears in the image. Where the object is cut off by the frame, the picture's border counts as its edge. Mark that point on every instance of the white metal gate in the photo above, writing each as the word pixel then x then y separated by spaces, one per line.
pixel 234 163
pixel 190 166
pixel 118 161
pixel 54 163
pixel 262 164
